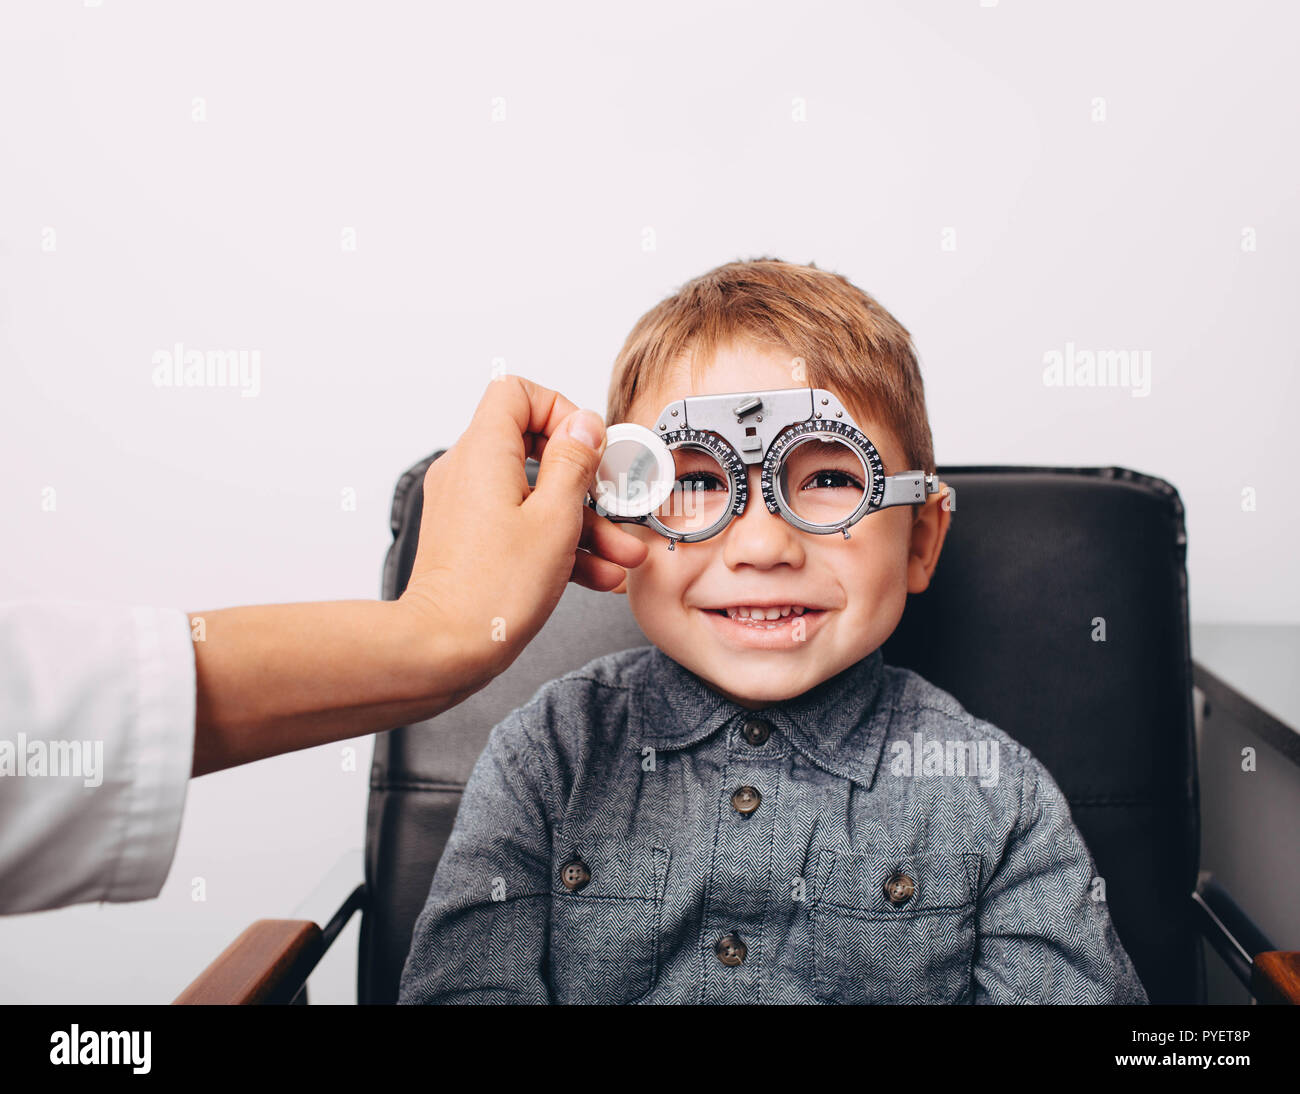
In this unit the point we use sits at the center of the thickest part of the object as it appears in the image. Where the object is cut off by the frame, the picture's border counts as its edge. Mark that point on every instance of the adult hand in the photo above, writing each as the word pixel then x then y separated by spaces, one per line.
pixel 492 562
pixel 494 557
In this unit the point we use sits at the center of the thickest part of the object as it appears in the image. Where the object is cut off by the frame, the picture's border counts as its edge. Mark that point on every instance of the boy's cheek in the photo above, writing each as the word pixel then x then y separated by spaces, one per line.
pixel 881 555
pixel 653 607
pixel 638 584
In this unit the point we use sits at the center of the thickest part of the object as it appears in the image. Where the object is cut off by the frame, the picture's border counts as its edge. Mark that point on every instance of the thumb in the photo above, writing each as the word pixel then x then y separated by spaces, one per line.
pixel 569 461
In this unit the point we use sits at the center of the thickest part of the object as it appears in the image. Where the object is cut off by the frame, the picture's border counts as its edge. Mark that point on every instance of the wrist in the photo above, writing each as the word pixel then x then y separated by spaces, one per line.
pixel 439 665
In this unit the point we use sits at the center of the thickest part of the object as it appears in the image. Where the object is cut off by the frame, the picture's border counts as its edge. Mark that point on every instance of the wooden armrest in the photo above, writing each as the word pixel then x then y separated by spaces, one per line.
pixel 1275 977
pixel 266 964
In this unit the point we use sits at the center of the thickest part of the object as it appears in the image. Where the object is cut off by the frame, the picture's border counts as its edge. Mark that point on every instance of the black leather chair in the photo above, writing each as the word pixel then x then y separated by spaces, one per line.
pixel 1035 560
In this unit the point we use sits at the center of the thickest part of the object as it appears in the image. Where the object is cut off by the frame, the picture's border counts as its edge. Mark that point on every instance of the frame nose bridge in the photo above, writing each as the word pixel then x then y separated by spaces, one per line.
pixel 755 519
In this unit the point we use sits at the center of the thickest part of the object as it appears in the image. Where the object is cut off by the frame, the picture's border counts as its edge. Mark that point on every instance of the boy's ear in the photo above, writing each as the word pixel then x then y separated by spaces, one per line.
pixel 929 528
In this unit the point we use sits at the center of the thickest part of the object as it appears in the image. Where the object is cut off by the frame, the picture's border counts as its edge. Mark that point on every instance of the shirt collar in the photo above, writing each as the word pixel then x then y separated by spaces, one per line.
pixel 840 724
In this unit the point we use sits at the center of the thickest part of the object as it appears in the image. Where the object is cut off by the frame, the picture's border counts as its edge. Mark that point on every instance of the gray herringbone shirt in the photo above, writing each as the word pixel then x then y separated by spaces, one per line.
pixel 605 852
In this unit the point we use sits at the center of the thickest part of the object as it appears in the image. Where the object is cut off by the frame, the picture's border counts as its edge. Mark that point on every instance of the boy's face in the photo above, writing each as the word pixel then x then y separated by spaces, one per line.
pixel 852 591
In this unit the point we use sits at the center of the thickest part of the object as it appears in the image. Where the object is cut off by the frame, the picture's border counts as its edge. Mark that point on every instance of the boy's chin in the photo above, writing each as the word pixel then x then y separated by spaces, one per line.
pixel 755 686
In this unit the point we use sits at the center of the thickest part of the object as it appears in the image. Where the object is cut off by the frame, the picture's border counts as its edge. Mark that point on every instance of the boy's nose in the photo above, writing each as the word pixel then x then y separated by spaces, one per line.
pixel 758 537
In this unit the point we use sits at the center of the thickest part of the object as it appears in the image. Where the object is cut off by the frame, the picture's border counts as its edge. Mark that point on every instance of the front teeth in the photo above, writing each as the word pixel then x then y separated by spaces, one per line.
pixel 753 615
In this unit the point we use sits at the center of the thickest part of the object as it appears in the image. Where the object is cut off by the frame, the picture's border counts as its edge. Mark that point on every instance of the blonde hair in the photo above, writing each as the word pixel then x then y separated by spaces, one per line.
pixel 848 342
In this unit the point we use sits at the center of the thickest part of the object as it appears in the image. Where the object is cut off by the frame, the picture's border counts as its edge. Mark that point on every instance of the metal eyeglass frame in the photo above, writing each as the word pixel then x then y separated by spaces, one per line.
pixel 739 429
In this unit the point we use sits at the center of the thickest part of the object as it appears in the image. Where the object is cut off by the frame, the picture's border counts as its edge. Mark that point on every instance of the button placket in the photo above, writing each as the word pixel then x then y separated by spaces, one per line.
pixel 738 896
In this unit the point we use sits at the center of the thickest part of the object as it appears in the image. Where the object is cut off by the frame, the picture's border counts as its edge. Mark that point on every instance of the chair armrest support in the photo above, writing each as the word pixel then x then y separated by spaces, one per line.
pixel 270 961
pixel 267 963
pixel 1226 927
pixel 1275 978
pixel 1271 975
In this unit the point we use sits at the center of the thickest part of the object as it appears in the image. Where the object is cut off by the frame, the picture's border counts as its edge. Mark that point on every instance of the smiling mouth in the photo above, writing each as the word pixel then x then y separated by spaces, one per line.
pixel 767 618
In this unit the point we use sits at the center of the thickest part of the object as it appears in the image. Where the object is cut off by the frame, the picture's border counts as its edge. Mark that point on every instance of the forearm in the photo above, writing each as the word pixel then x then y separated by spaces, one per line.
pixel 281 677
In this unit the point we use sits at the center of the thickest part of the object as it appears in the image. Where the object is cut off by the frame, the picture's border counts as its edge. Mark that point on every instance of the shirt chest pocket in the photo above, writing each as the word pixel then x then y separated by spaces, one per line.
pixel 607 897
pixel 893 927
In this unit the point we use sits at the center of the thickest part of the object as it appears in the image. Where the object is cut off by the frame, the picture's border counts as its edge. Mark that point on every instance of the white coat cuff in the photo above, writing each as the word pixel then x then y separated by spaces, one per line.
pixel 162 752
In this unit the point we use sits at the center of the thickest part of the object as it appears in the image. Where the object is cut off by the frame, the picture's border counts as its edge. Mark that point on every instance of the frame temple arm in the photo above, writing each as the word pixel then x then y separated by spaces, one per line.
pixel 908 488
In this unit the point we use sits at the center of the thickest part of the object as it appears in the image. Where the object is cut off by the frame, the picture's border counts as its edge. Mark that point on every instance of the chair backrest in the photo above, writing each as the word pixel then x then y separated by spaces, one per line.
pixel 1058 612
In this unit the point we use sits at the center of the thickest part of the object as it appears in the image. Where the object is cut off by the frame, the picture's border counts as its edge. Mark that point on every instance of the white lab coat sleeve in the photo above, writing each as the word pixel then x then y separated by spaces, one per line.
pixel 97 712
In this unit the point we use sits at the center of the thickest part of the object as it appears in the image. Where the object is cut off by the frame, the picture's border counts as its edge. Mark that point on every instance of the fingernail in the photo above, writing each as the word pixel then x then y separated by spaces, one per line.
pixel 588 428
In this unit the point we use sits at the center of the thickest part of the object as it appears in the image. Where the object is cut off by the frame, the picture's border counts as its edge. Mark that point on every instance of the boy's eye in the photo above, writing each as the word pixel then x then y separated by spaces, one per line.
pixel 700 492
pixel 823 481
pixel 700 480
pixel 698 471
pixel 830 479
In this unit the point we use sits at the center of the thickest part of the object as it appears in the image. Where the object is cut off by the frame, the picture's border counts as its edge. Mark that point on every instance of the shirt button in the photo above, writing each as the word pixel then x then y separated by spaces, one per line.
pixel 757 731
pixel 899 888
pixel 746 799
pixel 730 949
pixel 574 874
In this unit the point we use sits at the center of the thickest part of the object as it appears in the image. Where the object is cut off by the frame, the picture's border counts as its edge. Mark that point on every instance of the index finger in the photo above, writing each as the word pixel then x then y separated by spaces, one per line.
pixel 533 408
pixel 512 417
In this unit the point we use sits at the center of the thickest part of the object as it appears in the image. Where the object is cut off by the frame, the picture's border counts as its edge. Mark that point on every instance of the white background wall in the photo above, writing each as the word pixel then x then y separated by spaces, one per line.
pixel 527 239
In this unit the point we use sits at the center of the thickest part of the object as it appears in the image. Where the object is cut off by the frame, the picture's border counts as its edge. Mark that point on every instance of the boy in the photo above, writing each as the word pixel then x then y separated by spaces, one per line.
pixel 728 815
